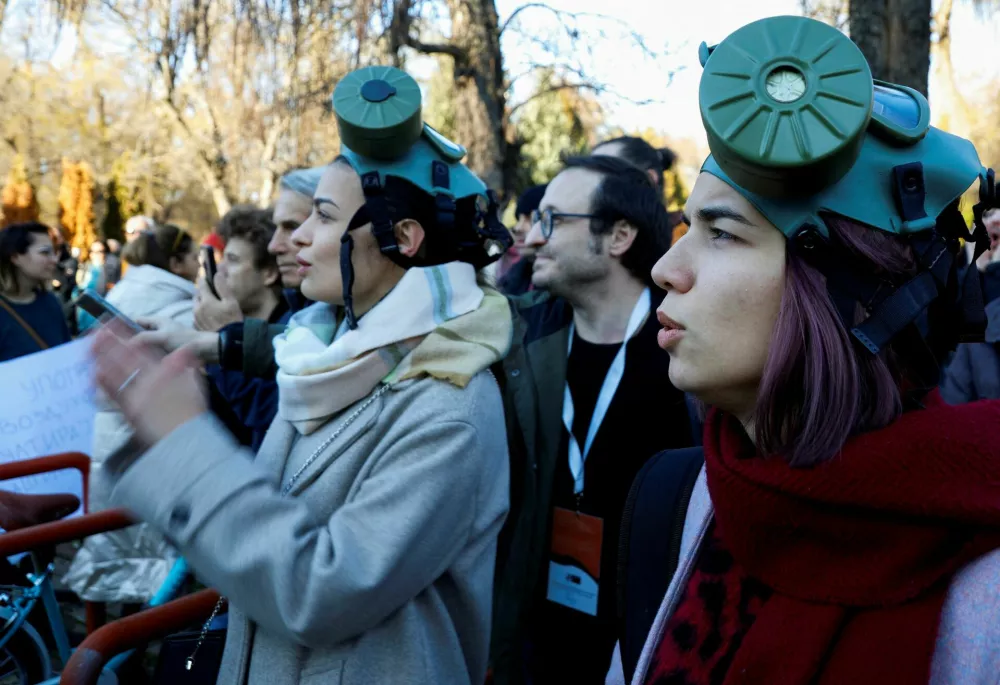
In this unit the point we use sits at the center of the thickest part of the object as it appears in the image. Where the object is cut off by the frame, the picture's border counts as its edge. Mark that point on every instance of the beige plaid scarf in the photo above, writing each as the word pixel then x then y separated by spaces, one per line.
pixel 436 322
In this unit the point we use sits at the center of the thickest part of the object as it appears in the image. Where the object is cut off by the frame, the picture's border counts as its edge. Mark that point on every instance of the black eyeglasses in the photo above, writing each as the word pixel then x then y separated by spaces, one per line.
pixel 547 219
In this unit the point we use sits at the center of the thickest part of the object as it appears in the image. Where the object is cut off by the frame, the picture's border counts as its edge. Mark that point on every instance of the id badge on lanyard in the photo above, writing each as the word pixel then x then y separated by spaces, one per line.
pixel 575 560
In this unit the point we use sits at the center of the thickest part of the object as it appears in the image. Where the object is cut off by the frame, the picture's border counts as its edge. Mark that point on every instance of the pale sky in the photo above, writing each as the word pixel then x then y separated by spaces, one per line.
pixel 683 24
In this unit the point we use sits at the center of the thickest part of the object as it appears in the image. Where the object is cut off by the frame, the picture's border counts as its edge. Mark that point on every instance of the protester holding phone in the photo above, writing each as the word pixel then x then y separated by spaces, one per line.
pixel 129 565
pixel 31 318
pixel 215 306
pixel 246 283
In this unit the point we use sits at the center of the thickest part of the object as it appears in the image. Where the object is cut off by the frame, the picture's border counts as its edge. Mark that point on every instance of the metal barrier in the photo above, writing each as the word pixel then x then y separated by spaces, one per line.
pixel 55 462
pixel 12 542
pixel 84 667
pixel 66 530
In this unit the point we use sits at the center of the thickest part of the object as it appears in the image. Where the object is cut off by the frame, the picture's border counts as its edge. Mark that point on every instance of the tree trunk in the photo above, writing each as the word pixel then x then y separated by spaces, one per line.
pixel 219 195
pixel 214 177
pixel 895 37
pixel 479 89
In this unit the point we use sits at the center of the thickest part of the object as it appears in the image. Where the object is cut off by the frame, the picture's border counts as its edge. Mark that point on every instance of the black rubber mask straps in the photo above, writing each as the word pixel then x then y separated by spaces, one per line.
pixel 374 211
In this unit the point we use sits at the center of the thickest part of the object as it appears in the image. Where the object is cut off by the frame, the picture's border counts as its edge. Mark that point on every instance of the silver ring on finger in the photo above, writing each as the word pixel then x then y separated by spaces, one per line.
pixel 128 381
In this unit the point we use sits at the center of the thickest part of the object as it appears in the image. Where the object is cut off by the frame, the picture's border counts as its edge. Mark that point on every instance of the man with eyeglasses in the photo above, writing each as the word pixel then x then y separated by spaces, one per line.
pixel 588 402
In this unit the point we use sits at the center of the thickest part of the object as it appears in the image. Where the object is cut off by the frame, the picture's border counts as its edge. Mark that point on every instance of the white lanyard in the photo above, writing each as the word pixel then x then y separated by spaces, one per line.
pixel 608 389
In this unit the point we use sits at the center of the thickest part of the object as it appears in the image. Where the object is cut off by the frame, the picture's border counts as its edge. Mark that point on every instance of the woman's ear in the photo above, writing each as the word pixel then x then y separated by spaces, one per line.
pixel 621 238
pixel 409 236
pixel 176 265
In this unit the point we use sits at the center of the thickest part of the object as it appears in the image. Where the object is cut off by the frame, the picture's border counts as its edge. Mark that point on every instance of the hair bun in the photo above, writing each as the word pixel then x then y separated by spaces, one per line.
pixel 667 158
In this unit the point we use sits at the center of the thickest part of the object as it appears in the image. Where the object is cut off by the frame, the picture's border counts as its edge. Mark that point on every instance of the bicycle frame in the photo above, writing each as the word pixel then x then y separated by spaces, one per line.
pixel 22 605
pixel 40 579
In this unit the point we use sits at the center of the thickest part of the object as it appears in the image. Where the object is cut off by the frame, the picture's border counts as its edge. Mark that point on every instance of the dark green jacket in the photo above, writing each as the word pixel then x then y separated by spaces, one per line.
pixel 534 374
pixel 533 382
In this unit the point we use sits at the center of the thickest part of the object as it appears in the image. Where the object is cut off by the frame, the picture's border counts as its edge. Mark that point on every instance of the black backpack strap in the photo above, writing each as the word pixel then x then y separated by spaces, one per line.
pixel 650 544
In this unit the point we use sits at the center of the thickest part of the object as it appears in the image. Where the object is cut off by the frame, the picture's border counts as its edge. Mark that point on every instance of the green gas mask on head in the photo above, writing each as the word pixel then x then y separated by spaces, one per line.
pixel 797 125
pixel 410 171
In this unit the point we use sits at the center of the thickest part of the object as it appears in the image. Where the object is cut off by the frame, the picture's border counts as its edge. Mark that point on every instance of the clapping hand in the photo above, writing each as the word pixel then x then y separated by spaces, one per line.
pixel 156 394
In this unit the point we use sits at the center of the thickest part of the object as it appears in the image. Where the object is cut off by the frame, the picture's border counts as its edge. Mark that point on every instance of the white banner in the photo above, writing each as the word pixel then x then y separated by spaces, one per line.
pixel 47 407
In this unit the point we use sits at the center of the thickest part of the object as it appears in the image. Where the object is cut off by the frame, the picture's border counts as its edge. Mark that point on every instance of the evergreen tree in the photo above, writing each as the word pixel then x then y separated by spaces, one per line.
pixel 76 206
pixel 86 231
pixel 113 225
pixel 68 200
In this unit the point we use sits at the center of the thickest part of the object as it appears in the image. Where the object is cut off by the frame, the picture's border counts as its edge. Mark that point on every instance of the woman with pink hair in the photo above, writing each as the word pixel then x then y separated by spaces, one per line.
pixel 845 527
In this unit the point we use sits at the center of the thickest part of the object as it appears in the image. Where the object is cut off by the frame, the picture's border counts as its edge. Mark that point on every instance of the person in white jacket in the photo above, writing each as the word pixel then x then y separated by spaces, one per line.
pixel 130 565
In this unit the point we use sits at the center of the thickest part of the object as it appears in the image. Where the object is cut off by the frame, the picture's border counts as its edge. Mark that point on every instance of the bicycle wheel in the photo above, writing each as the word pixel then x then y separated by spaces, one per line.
pixel 23 660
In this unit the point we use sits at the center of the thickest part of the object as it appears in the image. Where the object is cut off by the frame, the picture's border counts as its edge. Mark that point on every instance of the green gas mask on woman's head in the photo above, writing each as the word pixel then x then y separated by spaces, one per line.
pixel 410 171
pixel 798 126
pixel 796 123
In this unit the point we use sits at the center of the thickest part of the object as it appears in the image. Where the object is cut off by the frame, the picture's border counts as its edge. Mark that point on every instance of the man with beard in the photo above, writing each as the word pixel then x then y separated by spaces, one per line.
pixel 588 402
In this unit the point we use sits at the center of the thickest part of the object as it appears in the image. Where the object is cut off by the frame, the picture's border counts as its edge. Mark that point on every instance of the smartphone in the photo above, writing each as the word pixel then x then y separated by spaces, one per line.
pixel 208 259
pixel 102 310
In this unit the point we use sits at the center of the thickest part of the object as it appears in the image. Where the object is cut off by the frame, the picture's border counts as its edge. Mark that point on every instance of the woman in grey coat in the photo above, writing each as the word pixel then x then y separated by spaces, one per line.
pixel 359 545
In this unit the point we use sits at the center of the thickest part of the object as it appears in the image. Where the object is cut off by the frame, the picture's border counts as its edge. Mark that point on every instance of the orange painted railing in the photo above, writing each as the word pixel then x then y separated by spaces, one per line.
pixel 84 667
pixel 55 462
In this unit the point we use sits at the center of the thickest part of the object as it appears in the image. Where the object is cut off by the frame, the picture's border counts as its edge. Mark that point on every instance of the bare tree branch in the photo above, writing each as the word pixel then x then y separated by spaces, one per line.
pixel 557 67
pixel 567 17
pixel 437 49
pixel 592 86
pixel 517 11
pixel 401 35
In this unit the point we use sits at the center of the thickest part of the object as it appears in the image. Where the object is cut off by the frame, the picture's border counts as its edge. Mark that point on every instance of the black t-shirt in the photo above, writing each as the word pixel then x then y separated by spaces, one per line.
pixel 647 415
pixel 45 315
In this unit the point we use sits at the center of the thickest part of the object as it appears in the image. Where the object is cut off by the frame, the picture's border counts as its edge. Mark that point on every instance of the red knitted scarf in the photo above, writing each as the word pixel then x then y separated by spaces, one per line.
pixel 860 550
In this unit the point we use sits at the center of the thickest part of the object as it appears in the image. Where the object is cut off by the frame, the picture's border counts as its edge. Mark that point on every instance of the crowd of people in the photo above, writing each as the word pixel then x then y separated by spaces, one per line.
pixel 609 443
